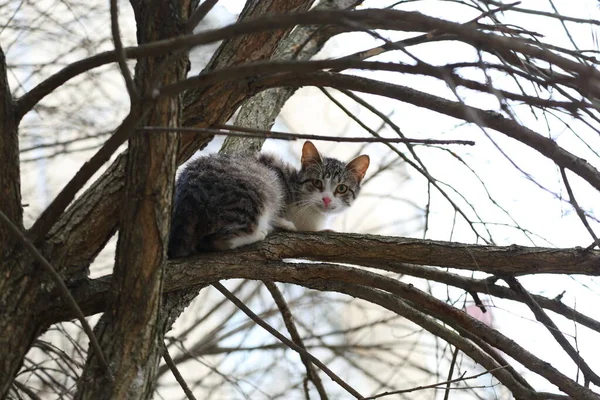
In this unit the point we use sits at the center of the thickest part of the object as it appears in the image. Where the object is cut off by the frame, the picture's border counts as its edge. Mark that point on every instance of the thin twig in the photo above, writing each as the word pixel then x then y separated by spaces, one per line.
pixel 120 52
pixel 578 209
pixel 252 133
pixel 288 319
pixel 22 387
pixel 62 288
pixel 177 374
pixel 198 15
pixel 433 385
pixel 450 373
pixel 542 317
pixel 289 343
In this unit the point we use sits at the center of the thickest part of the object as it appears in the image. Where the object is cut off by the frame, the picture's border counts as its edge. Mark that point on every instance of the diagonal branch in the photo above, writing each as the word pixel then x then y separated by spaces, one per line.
pixel 54 211
pixel 120 52
pixel 288 320
pixel 541 316
pixel 62 289
pixel 289 343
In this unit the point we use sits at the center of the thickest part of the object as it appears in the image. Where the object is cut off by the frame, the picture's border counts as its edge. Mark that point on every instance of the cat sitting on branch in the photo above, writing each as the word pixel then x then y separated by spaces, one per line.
pixel 226 201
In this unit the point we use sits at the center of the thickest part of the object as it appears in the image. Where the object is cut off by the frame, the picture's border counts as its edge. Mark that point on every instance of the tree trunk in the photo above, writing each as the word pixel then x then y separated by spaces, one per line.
pixel 129 333
pixel 18 327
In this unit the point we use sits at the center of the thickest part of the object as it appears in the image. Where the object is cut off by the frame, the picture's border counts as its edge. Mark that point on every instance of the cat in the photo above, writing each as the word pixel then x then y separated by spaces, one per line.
pixel 223 202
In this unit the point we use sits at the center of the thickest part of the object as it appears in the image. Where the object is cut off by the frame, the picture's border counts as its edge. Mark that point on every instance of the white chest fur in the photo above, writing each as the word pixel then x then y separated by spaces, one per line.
pixel 306 219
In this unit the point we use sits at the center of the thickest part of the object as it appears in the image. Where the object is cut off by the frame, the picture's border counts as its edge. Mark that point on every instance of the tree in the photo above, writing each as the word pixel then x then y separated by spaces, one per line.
pixel 264 58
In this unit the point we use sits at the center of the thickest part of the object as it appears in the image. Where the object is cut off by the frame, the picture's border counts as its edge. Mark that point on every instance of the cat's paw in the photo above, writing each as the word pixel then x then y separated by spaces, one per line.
pixel 285 224
pixel 261 234
pixel 243 240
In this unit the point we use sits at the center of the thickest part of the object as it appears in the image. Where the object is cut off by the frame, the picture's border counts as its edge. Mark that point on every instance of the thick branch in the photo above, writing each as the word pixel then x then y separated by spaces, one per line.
pixel 16 330
pixel 130 332
pixel 263 262
pixel 374 250
pixel 10 181
pixel 382 252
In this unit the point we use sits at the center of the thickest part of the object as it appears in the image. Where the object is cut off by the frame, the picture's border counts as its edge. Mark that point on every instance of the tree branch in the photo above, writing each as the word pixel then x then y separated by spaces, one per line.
pixel 372 19
pixel 490 119
pixel 300 350
pixel 263 261
pixel 10 173
pixel 381 252
pixel 288 319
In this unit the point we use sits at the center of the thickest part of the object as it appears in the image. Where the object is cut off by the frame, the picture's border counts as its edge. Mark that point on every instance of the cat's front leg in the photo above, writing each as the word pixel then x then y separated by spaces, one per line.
pixel 285 224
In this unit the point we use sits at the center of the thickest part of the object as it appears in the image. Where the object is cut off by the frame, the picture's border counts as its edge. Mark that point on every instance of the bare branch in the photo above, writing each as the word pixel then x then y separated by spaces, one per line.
pixel 541 316
pixel 177 374
pixel 62 289
pixel 243 132
pixel 288 319
pixel 372 19
pixel 490 119
pixel 120 52
pixel 285 340
pixel 54 211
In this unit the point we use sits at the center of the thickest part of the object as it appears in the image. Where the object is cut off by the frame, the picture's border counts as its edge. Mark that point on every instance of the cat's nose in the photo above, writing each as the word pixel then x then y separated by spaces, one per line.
pixel 326 200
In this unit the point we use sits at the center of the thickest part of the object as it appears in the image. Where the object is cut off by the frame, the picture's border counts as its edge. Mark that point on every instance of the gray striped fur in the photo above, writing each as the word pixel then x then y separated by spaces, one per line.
pixel 226 201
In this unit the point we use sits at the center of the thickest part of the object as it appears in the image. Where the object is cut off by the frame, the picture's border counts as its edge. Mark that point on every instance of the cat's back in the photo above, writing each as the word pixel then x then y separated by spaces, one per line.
pixel 218 197
pixel 226 167
pixel 220 176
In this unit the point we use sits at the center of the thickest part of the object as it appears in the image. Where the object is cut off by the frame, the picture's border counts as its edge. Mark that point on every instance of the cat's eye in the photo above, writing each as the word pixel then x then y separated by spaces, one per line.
pixel 317 183
pixel 341 189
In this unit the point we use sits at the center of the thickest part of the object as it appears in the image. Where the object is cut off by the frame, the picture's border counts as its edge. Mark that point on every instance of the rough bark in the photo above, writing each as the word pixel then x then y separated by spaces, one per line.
pixel 129 334
pixel 381 252
pixel 16 299
pixel 10 181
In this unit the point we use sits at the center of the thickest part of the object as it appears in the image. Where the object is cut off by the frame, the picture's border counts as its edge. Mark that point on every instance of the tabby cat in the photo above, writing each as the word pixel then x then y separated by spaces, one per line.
pixel 225 201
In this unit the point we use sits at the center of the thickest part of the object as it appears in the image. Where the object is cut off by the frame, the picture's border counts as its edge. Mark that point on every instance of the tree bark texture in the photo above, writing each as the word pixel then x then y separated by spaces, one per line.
pixel 394 254
pixel 128 332
pixel 17 331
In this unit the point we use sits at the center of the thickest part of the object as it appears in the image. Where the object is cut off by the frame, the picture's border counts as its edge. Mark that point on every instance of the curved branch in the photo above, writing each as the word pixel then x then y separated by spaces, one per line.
pixel 263 262
pixel 489 119
pixel 368 19
pixel 383 252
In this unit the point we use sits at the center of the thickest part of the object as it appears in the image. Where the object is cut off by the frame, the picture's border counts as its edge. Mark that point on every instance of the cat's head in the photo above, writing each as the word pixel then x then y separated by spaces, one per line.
pixel 328 185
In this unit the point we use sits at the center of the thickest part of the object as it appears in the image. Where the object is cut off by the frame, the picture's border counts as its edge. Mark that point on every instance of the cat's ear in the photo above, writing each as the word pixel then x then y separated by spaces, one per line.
pixel 358 167
pixel 310 155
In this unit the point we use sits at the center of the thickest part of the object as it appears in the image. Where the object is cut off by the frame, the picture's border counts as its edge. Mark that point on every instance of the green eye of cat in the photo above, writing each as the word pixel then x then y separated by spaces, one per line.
pixel 317 183
pixel 341 189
